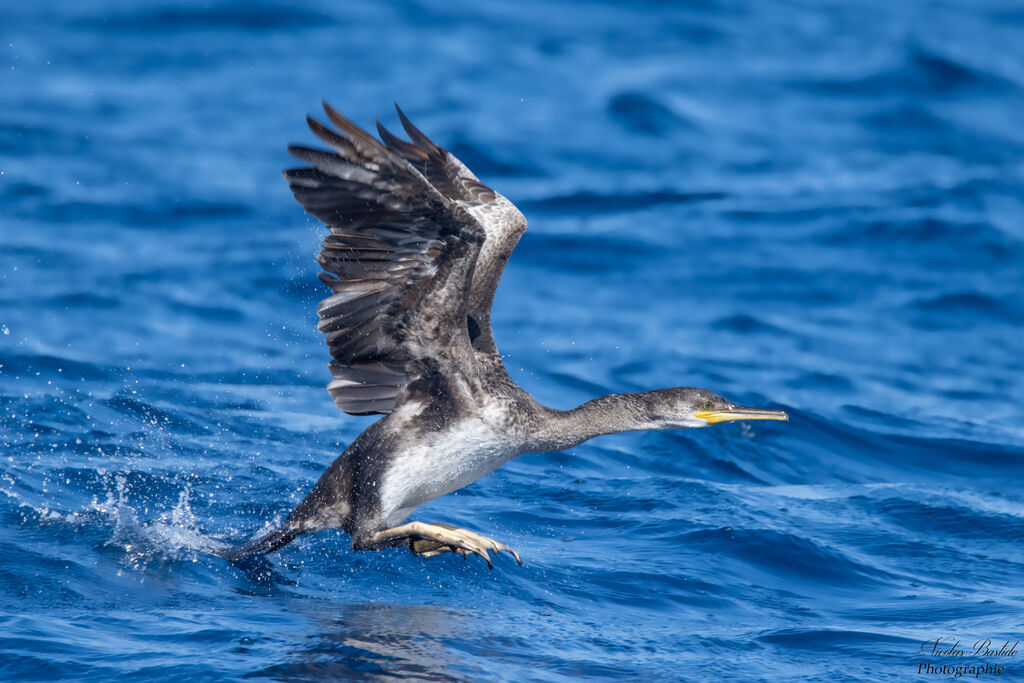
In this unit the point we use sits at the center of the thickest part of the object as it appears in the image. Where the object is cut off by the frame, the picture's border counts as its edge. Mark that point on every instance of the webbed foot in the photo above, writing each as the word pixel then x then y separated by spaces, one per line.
pixel 430 540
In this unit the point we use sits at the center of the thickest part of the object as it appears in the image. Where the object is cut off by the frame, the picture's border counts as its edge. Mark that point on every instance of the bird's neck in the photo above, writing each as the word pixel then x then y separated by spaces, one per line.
pixel 605 415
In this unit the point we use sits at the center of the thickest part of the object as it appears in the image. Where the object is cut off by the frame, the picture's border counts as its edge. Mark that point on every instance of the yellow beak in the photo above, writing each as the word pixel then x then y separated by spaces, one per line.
pixel 740 413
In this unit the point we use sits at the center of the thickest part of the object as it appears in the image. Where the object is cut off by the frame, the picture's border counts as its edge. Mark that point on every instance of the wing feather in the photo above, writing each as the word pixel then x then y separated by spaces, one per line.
pixel 502 222
pixel 399 262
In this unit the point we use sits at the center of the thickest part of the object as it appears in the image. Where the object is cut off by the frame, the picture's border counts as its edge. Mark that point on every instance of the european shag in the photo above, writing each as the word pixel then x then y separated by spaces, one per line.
pixel 417 245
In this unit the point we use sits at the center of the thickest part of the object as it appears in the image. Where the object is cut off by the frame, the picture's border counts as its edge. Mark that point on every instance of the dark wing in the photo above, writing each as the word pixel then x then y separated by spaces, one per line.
pixel 501 220
pixel 399 261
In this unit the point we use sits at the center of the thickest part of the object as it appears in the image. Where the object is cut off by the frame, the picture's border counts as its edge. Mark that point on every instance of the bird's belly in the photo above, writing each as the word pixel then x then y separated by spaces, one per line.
pixel 444 464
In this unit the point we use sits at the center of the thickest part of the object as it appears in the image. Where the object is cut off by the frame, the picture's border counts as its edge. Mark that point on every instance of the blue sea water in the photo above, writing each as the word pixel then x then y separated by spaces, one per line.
pixel 817 206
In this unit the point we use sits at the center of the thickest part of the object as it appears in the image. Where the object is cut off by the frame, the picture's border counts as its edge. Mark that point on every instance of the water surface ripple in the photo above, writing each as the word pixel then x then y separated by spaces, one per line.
pixel 813 206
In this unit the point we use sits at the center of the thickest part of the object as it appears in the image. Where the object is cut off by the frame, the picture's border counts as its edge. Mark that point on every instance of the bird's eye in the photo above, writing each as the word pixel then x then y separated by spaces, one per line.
pixel 708 405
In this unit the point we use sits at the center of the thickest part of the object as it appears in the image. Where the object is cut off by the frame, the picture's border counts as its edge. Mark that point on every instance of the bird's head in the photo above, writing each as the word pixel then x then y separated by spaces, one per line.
pixel 687 407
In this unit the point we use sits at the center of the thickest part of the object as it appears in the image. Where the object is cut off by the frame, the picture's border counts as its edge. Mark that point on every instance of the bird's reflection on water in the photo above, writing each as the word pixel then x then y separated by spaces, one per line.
pixel 373 641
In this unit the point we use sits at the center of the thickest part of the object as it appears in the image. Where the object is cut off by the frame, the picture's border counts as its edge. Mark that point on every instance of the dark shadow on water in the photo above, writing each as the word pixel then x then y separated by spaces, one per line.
pixel 260 572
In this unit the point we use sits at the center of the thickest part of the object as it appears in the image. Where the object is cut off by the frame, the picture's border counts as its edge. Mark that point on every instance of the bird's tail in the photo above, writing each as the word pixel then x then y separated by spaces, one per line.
pixel 267 543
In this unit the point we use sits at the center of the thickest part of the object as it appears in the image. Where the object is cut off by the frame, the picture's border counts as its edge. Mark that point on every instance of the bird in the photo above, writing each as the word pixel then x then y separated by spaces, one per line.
pixel 415 250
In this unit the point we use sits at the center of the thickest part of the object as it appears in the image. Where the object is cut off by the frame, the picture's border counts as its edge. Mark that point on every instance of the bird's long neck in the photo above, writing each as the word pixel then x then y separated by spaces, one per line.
pixel 605 415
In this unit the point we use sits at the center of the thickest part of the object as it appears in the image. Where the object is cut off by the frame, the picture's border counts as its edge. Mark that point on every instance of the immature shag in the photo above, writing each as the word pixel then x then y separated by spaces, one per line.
pixel 416 249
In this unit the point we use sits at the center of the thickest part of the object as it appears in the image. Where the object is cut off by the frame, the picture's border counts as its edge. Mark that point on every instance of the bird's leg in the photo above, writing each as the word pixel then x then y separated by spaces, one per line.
pixel 433 539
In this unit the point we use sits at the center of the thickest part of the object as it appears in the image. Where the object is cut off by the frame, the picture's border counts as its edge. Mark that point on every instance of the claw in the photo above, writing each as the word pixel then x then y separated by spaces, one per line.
pixel 468 547
pixel 487 557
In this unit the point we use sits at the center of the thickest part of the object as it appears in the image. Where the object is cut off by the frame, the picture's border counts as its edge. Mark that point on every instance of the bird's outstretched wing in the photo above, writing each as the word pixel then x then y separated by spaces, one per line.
pixel 399 261
pixel 502 221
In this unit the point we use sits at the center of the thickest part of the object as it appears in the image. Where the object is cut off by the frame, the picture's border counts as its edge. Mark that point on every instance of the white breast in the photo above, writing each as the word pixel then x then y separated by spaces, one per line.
pixel 448 461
